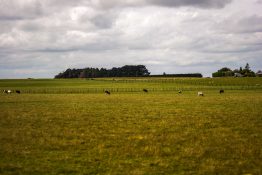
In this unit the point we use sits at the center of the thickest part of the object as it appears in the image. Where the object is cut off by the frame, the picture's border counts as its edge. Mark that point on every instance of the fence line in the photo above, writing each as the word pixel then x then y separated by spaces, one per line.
pixel 119 90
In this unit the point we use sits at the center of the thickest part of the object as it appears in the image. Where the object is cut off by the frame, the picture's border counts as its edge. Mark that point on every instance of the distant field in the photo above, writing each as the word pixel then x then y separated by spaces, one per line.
pixel 129 84
pixel 72 127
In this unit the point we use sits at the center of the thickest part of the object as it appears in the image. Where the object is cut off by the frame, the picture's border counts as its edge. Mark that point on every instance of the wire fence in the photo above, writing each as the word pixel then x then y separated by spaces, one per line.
pixel 130 90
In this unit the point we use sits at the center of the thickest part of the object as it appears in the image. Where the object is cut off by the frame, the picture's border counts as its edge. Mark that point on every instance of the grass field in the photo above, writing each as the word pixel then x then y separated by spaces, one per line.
pixel 72 127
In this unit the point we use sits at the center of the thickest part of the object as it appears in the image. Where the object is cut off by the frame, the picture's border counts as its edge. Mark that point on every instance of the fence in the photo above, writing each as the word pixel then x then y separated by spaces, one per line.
pixel 130 90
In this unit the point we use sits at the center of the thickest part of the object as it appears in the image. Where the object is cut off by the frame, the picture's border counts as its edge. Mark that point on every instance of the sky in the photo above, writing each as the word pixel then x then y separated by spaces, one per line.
pixel 41 38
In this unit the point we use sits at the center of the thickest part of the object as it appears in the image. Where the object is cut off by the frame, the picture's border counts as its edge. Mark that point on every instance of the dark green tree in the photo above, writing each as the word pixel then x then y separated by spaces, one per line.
pixel 125 71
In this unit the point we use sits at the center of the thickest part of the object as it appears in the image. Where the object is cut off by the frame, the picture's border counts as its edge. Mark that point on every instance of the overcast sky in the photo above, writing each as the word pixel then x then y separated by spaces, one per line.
pixel 40 38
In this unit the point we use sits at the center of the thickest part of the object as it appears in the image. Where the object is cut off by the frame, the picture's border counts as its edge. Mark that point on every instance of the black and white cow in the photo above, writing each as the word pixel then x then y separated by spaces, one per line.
pixel 107 92
pixel 200 93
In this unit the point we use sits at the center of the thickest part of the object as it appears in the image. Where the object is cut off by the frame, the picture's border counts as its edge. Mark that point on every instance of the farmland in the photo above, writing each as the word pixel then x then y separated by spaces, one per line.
pixel 71 127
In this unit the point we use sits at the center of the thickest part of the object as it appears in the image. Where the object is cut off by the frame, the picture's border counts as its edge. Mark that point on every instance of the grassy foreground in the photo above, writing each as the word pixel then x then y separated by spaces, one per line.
pixel 132 133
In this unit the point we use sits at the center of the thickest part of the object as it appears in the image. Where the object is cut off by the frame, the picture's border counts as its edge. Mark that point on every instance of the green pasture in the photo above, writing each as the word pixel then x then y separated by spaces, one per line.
pixel 68 127
pixel 98 85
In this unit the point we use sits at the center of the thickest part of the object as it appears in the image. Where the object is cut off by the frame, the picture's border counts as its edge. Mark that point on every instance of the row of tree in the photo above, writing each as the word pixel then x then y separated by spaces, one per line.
pixel 141 71
pixel 227 72
pixel 198 75
pixel 125 71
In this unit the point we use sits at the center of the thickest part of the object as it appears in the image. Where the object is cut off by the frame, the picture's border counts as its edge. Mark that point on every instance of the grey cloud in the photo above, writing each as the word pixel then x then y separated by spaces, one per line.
pixel 250 24
pixel 10 18
pixel 194 3
pixel 31 26
pixel 18 10
pixel 107 4
pixel 103 21
pixel 31 9
pixel 55 50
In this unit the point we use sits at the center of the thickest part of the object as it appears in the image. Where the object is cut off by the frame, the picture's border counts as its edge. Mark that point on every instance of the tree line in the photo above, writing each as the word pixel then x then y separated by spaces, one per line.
pixel 241 72
pixel 197 75
pixel 141 71
pixel 125 71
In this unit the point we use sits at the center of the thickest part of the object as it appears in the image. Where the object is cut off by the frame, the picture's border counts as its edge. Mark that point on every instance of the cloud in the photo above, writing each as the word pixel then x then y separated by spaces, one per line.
pixel 18 10
pixel 167 36
pixel 248 24
pixel 193 3
pixel 107 4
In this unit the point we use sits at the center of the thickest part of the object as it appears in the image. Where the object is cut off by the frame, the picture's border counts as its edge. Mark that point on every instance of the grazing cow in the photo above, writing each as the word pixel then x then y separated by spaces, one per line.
pixel 145 90
pixel 221 91
pixel 200 94
pixel 180 92
pixel 17 91
pixel 107 92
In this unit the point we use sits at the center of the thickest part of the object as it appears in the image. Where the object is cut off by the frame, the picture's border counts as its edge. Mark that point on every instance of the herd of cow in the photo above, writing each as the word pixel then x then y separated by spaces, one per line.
pixel 180 92
pixel 108 92
pixel 10 91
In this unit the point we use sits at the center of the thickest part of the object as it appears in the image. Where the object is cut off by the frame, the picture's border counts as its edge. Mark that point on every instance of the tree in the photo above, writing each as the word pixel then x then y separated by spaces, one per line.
pixel 125 71
pixel 225 72
pixel 247 72
pixel 247 67
pixel 82 74
pixel 224 69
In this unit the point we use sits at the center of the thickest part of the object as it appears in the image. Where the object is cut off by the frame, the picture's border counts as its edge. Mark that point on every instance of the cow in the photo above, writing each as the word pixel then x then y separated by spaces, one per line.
pixel 17 91
pixel 180 92
pixel 221 91
pixel 200 94
pixel 107 92
pixel 145 90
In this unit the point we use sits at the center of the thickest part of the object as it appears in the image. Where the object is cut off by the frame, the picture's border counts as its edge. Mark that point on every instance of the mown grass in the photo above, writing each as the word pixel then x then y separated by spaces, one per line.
pixel 132 133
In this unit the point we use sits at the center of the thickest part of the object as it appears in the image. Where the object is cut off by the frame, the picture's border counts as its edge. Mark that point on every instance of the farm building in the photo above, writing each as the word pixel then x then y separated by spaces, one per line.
pixel 259 73
pixel 238 75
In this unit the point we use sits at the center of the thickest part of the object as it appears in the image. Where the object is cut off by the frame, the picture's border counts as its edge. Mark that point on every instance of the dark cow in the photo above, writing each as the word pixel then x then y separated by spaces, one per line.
pixel 107 92
pixel 221 91
pixel 180 92
pixel 145 90
pixel 17 91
